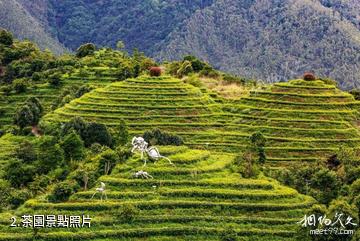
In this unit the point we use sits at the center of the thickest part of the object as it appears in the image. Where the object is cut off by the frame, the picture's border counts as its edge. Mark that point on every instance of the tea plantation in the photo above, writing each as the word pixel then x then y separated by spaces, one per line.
pixel 47 93
pixel 199 198
pixel 301 120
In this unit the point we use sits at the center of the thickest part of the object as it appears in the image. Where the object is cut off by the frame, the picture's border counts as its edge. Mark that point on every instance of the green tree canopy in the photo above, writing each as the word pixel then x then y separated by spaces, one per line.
pixel 73 147
pixel 85 50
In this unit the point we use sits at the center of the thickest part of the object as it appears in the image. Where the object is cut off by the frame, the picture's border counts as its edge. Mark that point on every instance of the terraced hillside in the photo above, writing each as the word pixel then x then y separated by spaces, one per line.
pixel 144 102
pixel 302 120
pixel 197 199
pixel 94 76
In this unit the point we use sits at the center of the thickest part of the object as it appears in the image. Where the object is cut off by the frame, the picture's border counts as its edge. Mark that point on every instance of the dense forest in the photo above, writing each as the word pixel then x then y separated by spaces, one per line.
pixel 268 40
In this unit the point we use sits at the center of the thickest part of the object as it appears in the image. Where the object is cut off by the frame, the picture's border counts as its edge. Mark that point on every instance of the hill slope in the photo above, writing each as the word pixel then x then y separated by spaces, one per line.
pixel 271 40
pixel 198 199
pixel 144 102
pixel 15 17
pixel 302 121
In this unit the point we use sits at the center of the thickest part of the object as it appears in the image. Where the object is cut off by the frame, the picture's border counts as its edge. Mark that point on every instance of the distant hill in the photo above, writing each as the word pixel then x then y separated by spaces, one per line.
pixel 269 40
pixel 14 16
pixel 272 40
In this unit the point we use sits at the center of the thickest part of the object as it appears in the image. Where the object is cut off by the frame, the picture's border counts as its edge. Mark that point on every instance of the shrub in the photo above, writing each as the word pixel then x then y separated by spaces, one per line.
pixel 232 79
pixel 258 142
pixel 85 50
pixel 124 71
pixel 5 193
pixel 328 81
pixel 339 206
pixel 325 185
pixel 39 184
pixel 18 197
pixel 54 79
pixel 309 76
pixel 184 69
pixel 83 90
pixel 123 134
pixel 36 76
pixel 246 165
pixel 77 124
pixel 124 152
pixel 6 38
pixel 62 191
pixel 18 173
pixel 26 152
pixel 73 147
pixel 107 161
pixel 128 212
pixel 20 85
pixel 156 136
pixel 96 132
pixel 355 93
pixel 355 187
pixel 23 116
pixel 208 71
pixel 85 175
pixel 36 109
pixel 155 71
pixel 50 155
pixel 196 64
pixel 192 80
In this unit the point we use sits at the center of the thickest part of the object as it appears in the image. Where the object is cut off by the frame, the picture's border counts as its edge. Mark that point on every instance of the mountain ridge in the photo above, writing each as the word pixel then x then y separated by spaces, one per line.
pixel 269 40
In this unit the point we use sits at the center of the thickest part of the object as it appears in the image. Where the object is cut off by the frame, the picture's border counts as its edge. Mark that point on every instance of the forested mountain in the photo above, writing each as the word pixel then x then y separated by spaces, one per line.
pixel 28 20
pixel 271 40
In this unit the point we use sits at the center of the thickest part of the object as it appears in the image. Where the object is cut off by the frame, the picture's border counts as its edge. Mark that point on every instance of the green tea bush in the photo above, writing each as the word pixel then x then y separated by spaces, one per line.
pixel 128 212
pixel 62 191
pixel 246 164
pixel 157 137
pixel 18 197
pixel 20 85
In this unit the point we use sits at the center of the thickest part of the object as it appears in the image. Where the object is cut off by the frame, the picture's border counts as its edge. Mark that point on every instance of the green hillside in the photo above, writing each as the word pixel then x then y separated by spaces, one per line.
pixel 47 93
pixel 100 69
pixel 198 199
pixel 322 36
pixel 145 102
pixel 302 121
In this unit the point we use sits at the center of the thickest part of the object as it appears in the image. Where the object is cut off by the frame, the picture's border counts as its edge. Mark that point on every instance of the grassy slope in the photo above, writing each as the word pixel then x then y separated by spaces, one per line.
pixel 195 200
pixel 47 94
pixel 302 121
